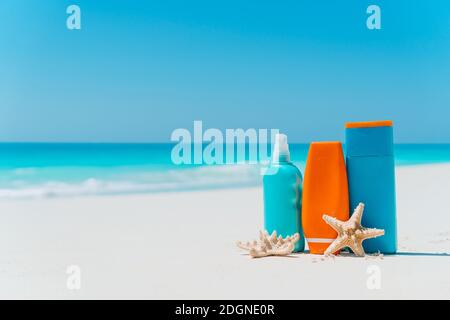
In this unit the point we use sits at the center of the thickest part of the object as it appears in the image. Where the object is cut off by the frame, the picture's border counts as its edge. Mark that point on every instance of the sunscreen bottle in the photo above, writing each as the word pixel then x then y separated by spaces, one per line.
pixel 325 191
pixel 282 184
pixel 371 179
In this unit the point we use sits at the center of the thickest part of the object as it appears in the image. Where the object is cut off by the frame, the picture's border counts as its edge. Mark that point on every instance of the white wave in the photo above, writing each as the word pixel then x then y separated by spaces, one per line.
pixel 143 182
pixel 24 171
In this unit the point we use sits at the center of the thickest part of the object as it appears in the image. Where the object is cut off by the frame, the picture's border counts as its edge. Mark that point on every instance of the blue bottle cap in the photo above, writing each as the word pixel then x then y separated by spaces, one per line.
pixel 367 139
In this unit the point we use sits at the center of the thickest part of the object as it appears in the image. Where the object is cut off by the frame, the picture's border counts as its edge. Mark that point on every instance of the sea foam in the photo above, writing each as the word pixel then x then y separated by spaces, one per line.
pixel 198 178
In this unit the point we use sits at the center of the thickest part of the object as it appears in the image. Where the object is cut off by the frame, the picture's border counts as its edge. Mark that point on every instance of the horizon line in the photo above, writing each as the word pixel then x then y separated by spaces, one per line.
pixel 173 142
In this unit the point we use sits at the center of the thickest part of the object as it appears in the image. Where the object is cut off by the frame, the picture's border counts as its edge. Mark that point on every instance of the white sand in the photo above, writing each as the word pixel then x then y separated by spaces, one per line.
pixel 182 245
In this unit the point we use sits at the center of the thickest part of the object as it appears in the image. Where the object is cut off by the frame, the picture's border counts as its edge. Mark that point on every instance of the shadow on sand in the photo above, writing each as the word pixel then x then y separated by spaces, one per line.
pixel 423 254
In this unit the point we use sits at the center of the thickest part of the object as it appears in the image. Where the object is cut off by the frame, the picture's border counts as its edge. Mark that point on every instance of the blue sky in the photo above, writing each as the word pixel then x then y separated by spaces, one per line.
pixel 139 69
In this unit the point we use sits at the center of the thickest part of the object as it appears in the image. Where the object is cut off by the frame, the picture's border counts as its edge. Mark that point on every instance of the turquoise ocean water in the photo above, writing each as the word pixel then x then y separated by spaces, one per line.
pixel 36 170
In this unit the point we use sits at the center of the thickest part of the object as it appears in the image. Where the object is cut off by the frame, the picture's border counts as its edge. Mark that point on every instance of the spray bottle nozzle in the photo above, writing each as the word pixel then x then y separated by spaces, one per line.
pixel 281 148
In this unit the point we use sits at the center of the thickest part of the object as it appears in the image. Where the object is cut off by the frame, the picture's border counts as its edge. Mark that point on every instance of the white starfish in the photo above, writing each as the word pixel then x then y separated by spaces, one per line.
pixel 350 233
pixel 270 245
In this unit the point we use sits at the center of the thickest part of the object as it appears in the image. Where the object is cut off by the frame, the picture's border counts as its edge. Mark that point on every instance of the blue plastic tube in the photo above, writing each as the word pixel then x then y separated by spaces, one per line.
pixel 371 180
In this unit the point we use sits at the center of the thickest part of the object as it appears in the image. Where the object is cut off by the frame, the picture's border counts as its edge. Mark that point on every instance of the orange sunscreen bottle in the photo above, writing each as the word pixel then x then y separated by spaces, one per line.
pixel 325 191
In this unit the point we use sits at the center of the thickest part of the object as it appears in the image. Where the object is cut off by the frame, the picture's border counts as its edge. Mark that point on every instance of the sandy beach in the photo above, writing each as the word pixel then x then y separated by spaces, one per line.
pixel 182 246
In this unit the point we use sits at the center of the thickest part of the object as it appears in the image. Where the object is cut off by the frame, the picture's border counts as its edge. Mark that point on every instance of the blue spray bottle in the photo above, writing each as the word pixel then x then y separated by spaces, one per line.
pixel 371 179
pixel 282 183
